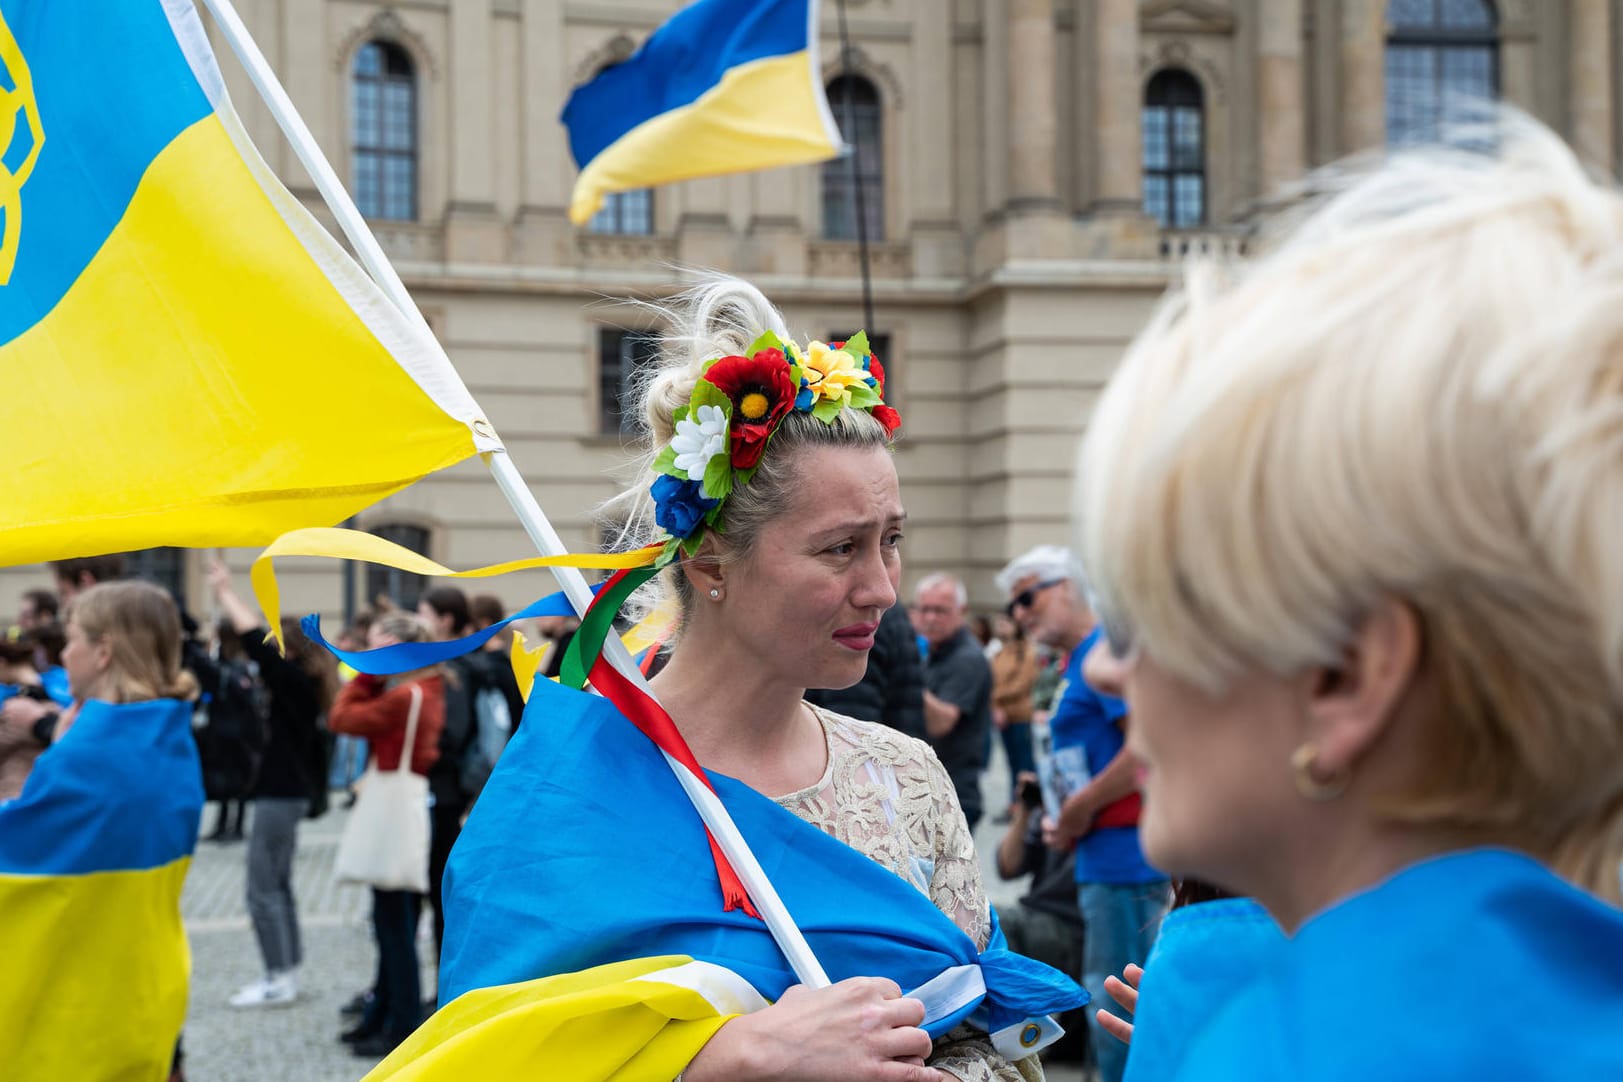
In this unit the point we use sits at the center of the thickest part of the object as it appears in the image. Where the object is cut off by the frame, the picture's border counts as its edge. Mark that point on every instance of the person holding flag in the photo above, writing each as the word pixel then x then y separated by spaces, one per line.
pixel 580 884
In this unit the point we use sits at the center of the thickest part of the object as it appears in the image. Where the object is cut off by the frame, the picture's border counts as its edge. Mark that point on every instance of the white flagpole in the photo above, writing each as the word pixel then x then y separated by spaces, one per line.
pixel 784 930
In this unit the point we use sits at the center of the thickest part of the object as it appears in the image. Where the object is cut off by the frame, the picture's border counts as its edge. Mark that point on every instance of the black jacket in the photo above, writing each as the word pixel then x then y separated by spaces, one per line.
pixel 892 690
pixel 293 765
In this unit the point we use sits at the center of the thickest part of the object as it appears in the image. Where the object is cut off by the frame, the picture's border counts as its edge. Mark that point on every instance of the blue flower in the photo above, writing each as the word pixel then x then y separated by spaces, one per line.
pixel 804 400
pixel 679 506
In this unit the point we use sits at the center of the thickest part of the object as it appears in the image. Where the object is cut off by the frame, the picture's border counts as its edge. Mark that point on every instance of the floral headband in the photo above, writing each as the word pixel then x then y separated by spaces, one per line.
pixel 735 409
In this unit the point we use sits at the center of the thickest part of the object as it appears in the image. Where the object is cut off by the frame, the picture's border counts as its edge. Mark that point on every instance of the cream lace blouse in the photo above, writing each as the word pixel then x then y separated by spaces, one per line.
pixel 886 795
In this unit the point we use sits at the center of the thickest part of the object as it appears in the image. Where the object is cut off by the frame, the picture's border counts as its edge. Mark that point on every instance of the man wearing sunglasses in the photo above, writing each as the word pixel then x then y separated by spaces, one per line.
pixel 1121 897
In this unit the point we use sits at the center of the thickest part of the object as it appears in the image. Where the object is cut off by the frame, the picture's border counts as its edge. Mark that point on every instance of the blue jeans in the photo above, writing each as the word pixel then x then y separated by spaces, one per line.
pixel 397 999
pixel 1120 922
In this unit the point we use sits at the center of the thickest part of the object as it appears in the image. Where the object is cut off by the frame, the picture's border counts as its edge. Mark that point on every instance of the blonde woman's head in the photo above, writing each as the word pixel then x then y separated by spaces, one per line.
pixel 124 645
pixel 1413 404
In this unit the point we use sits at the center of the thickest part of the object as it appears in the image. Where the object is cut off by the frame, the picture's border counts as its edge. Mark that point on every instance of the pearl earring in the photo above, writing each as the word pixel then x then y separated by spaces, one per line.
pixel 715 594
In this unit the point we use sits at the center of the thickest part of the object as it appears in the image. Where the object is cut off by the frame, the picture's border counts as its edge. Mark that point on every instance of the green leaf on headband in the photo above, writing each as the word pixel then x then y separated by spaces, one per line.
pixel 718 476
pixel 768 340
pixel 827 410
pixel 668 553
pixel 665 462
pixel 857 345
pixel 712 516
pixel 864 397
pixel 706 393
pixel 690 547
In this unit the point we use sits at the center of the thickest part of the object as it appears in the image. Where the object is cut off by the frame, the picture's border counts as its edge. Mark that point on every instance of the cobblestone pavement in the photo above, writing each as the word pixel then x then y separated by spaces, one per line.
pixel 299 1042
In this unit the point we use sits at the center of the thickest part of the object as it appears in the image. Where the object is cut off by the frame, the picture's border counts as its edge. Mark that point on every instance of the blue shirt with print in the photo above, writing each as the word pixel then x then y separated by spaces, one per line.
pixel 1086 731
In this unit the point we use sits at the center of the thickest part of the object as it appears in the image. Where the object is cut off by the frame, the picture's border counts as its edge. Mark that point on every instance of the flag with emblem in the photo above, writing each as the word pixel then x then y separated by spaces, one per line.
pixel 189 358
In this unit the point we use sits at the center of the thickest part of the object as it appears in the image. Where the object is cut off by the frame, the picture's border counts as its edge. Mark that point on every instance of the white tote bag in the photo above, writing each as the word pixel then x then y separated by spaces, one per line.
pixel 385 841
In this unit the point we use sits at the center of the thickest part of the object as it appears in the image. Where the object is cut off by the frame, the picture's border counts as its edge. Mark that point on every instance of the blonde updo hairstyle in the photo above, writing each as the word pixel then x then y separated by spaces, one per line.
pixel 1417 396
pixel 720 317
pixel 140 626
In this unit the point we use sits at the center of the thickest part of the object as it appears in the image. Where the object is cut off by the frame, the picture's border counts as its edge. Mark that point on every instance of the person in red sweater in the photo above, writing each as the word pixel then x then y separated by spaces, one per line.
pixel 378 708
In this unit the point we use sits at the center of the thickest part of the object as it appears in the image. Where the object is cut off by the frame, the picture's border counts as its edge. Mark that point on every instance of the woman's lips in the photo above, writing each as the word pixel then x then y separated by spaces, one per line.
pixel 857 636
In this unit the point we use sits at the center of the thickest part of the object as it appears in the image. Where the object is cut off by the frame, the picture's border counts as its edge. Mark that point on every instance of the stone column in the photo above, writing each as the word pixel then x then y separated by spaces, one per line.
pixel 1591 87
pixel 936 243
pixel 1118 105
pixel 1363 75
pixel 542 233
pixel 1033 130
pixel 1280 94
pixel 472 230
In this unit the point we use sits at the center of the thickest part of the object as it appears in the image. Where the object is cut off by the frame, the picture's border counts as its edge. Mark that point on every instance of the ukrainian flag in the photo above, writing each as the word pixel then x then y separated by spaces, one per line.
pixel 92 857
pixel 726 86
pixel 586 938
pixel 189 358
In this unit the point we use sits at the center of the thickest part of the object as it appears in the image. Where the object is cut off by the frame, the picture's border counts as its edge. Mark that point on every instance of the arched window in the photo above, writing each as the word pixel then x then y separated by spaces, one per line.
pixel 1442 61
pixel 1174 150
pixel 403 587
pixel 853 189
pixel 384 131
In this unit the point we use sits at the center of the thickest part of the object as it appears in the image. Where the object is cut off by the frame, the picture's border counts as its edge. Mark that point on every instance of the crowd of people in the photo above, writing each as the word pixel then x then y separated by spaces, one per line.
pixel 1327 697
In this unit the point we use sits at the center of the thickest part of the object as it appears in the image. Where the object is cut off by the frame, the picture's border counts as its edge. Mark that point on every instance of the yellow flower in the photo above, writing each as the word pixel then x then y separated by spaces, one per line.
pixel 831 373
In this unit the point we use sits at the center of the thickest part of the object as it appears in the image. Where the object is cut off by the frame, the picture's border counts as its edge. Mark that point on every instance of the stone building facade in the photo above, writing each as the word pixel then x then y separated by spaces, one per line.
pixel 1031 169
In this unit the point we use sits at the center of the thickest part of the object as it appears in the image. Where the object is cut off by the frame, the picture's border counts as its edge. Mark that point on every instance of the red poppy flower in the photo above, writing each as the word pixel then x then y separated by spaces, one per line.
pixel 761 393
pixel 889 418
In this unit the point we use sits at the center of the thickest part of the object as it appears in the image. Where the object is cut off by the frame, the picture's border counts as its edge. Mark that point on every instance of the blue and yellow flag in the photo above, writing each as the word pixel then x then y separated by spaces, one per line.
pixel 92 856
pixel 189 358
pixel 585 936
pixel 726 86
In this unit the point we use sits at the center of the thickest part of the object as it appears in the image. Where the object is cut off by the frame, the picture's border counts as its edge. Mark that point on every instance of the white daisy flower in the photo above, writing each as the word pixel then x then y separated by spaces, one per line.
pixel 696 444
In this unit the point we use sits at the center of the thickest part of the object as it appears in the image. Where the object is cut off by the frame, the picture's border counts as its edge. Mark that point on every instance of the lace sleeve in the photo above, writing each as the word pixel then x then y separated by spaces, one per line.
pixel 955 886
pixel 966 1054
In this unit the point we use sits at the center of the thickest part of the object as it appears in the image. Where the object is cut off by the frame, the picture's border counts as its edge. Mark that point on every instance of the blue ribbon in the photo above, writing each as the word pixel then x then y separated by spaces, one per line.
pixel 408 656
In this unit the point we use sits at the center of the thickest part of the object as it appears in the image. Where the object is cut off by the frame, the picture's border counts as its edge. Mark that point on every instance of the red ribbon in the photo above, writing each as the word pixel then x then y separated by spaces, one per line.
pixel 648 716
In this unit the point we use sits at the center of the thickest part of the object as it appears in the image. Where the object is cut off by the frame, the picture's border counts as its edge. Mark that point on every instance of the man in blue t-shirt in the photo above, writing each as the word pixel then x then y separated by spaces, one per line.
pixel 1091 786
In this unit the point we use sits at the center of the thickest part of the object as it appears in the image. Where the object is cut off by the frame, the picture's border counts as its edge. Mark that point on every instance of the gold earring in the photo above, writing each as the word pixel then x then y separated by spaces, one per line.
pixel 1303 760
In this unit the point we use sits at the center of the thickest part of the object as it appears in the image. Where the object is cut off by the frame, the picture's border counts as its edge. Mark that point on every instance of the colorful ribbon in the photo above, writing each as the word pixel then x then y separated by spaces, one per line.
pixel 582 663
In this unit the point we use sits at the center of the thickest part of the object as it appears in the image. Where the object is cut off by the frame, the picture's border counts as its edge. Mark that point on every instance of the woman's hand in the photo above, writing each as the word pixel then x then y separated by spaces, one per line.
pixel 1124 992
pixel 861 1029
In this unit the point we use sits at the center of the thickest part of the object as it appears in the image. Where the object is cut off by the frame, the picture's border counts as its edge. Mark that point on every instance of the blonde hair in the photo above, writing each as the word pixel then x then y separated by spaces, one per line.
pixel 403 626
pixel 721 316
pixel 140 626
pixel 1418 395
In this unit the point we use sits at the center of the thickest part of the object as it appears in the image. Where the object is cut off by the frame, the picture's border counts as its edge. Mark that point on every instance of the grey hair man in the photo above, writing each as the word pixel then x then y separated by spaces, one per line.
pixel 1121 897
pixel 957 687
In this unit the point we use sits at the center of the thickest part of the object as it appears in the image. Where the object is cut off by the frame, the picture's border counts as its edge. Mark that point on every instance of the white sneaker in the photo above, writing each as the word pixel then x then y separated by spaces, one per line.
pixel 274 991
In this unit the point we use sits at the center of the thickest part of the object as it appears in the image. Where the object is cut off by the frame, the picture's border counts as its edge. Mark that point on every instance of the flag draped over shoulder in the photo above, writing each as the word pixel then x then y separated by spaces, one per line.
pixel 189 358
pixel 92 857
pixel 725 86
pixel 584 855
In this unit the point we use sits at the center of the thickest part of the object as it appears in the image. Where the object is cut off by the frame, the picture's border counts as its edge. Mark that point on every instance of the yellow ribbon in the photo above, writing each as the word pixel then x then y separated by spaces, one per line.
pixel 340 544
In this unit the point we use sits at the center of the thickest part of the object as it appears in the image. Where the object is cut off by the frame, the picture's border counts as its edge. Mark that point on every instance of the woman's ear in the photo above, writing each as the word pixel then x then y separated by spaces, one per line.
pixel 703 569
pixel 1351 706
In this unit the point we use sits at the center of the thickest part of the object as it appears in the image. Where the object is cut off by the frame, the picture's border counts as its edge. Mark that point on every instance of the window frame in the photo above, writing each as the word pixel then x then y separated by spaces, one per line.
pixel 1183 84
pixel 612 391
pixel 836 180
pixel 376 158
pixel 1440 42
pixel 613 217
pixel 403 587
